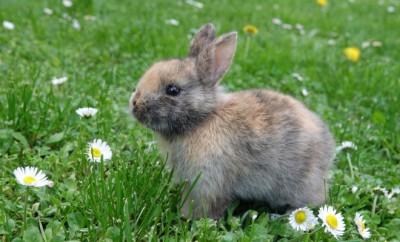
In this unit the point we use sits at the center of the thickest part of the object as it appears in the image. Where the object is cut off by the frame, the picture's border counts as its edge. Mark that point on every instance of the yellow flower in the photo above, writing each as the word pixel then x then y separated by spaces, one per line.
pixel 250 29
pixel 352 53
pixel 322 3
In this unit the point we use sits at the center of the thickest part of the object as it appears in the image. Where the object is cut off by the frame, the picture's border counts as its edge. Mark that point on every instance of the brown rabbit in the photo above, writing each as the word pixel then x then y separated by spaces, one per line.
pixel 255 145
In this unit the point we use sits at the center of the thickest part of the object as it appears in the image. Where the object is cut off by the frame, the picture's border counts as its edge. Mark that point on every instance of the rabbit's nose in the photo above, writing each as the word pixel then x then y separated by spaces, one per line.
pixel 133 100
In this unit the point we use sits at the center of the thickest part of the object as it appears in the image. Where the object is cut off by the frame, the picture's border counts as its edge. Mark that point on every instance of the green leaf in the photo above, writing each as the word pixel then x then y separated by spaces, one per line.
pixel 258 232
pixel 76 220
pixel 113 233
pixel 55 231
pixel 5 133
pixel 18 136
pixel 393 229
pixel 32 234
pixel 6 139
pixel 378 117
pixel 50 210
pixel 68 147
pixel 228 237
pixel 284 230
pixel 11 224
pixel 58 238
pixel 7 227
pixel 376 219
pixel 55 138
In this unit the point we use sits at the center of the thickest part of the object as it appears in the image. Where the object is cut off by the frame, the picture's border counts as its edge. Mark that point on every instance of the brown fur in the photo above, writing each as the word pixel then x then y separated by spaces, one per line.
pixel 253 145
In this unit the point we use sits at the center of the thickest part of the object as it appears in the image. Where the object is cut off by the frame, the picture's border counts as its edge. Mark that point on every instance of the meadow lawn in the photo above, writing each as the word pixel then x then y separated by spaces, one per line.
pixel 102 47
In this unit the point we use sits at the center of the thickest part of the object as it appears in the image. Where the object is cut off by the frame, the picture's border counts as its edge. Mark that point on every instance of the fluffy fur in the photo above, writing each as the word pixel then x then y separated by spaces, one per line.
pixel 253 145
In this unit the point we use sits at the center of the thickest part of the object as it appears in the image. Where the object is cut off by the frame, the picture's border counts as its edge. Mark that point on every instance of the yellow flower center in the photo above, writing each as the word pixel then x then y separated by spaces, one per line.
pixel 361 226
pixel 300 217
pixel 96 152
pixel 29 180
pixel 332 221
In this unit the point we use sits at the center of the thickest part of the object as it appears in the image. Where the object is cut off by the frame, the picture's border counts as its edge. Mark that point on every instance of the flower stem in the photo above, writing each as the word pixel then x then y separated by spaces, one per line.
pixel 374 206
pixel 350 166
pixel 26 206
pixel 247 47
pixel 41 229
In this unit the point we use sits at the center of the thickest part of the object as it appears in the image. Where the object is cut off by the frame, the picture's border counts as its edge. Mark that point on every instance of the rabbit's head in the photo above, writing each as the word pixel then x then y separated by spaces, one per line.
pixel 174 96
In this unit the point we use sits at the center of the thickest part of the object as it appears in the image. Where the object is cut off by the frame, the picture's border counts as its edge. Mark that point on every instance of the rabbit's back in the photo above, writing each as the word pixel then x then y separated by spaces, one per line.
pixel 258 145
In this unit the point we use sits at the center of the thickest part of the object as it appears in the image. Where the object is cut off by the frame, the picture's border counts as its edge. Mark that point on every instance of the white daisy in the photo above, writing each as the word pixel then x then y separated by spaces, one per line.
pixel 98 149
pixel 89 18
pixel 377 44
pixel 299 27
pixel 394 191
pixel 331 42
pixel 86 112
pixel 365 44
pixel 276 21
pixel 364 232
pixel 380 191
pixel 195 3
pixel 390 9
pixel 66 16
pixel 75 24
pixel 345 145
pixel 8 25
pixel 331 220
pixel 67 3
pixel 59 81
pixel 48 11
pixel 287 26
pixel 302 219
pixel 173 22
pixel 297 76
pixel 312 223
pixel 31 176
pixel 304 92
pixel 354 189
pixel 50 184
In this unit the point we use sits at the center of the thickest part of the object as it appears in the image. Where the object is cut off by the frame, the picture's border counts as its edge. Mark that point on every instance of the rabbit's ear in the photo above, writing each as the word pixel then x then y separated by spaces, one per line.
pixel 203 38
pixel 214 61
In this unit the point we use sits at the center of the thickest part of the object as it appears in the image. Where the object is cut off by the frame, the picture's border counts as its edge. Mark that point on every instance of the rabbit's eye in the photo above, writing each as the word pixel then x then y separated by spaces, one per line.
pixel 172 90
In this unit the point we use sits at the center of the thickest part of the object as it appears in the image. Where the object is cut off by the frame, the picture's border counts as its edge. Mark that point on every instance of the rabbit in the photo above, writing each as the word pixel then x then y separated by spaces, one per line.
pixel 254 145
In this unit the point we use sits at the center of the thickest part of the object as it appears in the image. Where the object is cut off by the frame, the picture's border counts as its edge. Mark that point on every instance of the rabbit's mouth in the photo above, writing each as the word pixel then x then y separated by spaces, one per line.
pixel 171 122
pixel 151 119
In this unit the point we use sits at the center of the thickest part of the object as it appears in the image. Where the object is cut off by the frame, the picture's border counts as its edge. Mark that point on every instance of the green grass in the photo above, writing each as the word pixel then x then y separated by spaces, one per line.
pixel 131 197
